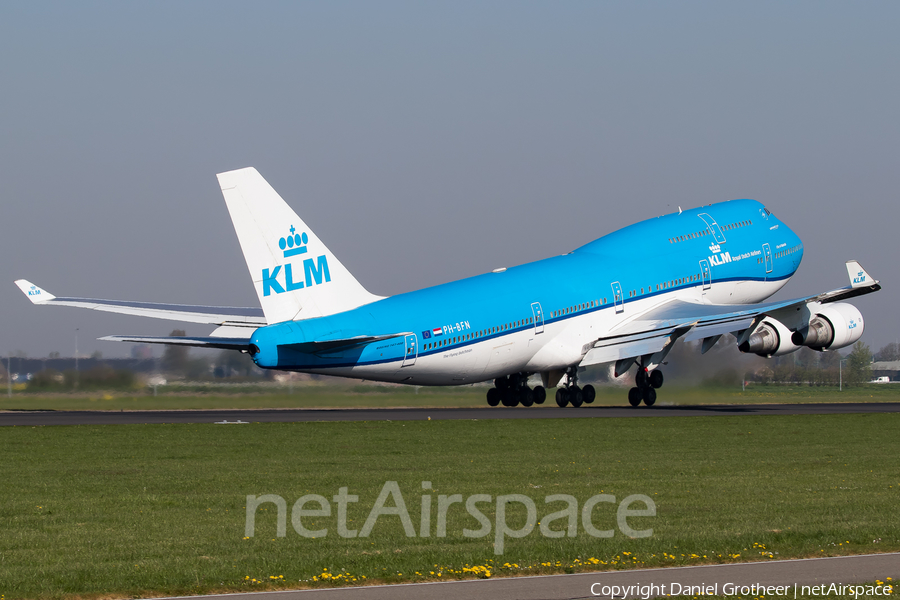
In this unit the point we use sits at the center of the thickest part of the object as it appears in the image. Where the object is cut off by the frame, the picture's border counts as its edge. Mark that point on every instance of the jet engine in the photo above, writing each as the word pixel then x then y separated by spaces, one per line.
pixel 770 338
pixel 833 326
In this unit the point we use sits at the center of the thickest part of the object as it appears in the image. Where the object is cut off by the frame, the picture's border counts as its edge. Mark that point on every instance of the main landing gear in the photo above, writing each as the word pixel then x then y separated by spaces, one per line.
pixel 645 388
pixel 514 390
pixel 573 394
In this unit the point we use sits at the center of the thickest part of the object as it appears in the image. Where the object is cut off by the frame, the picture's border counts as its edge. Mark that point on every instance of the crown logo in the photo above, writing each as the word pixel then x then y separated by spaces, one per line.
pixel 293 244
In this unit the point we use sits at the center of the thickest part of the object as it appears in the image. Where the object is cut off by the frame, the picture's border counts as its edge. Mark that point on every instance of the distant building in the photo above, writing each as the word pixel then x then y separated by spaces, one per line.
pixel 24 368
pixel 887 368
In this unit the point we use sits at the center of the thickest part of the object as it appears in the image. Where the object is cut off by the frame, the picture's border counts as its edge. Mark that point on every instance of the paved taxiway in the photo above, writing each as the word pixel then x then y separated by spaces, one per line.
pixel 36 418
pixel 813 571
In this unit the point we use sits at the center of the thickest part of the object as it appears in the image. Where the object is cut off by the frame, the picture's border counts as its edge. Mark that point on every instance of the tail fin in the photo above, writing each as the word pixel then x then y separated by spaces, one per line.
pixel 295 275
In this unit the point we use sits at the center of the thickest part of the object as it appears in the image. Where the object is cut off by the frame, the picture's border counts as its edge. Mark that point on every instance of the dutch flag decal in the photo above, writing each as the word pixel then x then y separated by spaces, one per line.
pixel 437 331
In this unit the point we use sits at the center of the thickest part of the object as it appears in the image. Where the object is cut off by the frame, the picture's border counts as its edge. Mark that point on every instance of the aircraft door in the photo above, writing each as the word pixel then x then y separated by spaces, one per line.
pixel 704 272
pixel 767 253
pixel 411 350
pixel 617 296
pixel 714 228
pixel 538 317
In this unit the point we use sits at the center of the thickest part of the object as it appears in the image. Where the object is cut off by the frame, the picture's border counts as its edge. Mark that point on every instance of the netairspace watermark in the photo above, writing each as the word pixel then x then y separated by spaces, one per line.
pixel 635 505
pixel 758 590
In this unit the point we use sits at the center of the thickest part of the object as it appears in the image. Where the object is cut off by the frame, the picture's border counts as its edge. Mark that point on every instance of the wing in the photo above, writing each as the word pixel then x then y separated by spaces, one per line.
pixel 231 321
pixel 653 331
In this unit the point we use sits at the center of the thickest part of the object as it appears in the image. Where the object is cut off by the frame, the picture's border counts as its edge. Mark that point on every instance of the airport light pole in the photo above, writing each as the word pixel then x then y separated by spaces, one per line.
pixel 841 375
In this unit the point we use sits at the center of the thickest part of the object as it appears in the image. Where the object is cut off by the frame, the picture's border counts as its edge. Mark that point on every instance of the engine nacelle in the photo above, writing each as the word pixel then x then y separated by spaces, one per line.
pixel 833 326
pixel 770 338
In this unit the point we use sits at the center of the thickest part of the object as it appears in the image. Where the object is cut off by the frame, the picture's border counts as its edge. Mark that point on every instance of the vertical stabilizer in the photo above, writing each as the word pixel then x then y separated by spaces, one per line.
pixel 295 275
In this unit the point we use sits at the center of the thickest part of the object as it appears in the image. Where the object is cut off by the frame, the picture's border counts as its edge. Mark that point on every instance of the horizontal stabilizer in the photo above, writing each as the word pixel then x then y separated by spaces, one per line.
pixel 199 342
pixel 213 315
pixel 329 345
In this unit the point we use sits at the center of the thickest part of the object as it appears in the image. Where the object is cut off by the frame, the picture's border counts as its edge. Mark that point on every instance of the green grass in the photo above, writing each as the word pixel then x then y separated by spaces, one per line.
pixel 91 511
pixel 350 395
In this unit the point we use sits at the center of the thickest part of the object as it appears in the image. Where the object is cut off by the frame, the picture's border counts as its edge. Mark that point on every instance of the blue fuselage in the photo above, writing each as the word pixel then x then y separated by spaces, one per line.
pixel 511 321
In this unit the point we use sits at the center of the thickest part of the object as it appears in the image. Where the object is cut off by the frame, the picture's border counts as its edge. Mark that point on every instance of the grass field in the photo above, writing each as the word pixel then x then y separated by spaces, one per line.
pixel 353 395
pixel 160 509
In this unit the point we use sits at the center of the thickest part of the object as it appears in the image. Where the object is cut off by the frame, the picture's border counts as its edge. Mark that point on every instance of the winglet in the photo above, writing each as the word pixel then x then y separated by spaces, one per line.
pixel 858 275
pixel 34 293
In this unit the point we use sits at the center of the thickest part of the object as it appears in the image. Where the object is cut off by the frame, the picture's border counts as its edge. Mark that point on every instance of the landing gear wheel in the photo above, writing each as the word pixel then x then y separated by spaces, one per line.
pixel 562 397
pixel 540 394
pixel 656 379
pixel 589 393
pixel 634 396
pixel 640 378
pixel 576 397
pixel 510 398
pixel 526 397
pixel 648 394
pixel 493 397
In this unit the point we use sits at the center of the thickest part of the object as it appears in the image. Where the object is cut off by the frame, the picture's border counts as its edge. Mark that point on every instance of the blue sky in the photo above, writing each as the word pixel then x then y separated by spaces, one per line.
pixel 426 142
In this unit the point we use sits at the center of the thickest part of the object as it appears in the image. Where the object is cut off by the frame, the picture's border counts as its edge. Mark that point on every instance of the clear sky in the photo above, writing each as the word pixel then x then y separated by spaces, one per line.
pixel 426 142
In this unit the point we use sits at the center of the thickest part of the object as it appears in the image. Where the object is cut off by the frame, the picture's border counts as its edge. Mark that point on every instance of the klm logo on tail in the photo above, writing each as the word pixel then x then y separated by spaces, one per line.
pixel 315 271
pixel 860 277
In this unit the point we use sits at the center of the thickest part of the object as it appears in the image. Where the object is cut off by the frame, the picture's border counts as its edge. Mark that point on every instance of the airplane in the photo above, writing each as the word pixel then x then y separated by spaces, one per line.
pixel 624 298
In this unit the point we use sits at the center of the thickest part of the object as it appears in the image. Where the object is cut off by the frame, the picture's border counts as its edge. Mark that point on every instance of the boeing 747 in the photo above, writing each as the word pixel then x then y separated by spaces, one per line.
pixel 708 273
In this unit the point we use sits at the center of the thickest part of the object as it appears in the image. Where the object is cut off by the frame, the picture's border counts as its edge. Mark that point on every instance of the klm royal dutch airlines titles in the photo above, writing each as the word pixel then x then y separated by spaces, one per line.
pixel 714 268
pixel 315 271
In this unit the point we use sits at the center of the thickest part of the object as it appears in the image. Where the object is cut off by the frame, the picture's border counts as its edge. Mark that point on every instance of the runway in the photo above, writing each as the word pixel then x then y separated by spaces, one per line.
pixel 225 416
pixel 787 573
